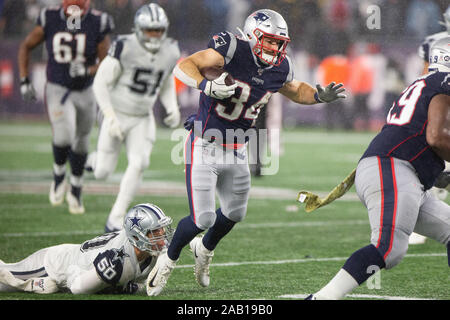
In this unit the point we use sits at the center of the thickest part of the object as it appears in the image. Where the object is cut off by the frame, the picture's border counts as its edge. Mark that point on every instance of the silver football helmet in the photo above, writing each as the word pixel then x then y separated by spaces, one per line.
pixel 148 228
pixel 440 55
pixel 267 24
pixel 151 17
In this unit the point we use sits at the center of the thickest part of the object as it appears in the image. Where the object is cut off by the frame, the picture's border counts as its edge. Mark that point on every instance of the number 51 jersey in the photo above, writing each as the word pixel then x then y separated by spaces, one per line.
pixel 142 73
pixel 404 134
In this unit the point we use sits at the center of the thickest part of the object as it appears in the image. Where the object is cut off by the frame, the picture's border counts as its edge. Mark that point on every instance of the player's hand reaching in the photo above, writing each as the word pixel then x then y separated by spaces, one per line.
pixel 78 69
pixel 27 90
pixel 329 93
pixel 217 88
pixel 172 120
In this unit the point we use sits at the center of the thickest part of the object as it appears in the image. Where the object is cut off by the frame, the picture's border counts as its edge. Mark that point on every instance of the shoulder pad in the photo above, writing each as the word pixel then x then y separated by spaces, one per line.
pixel 109 265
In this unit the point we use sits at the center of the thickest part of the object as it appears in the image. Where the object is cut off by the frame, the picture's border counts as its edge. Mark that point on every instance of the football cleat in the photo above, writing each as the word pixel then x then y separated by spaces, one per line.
pixel 203 259
pixel 157 278
pixel 75 203
pixel 56 195
pixel 416 238
pixel 311 297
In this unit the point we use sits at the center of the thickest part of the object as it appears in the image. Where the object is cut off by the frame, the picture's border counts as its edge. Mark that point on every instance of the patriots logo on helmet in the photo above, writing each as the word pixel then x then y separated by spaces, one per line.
pixel 260 17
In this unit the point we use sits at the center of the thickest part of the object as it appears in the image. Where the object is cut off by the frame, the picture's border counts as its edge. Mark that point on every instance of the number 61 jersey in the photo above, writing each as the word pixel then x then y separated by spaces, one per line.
pixel 404 134
pixel 143 74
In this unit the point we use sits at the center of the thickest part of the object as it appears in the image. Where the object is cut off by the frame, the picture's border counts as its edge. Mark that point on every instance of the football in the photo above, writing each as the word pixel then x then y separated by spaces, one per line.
pixel 211 73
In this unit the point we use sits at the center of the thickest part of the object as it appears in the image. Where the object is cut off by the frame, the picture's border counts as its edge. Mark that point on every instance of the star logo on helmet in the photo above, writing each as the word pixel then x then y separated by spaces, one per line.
pixel 135 222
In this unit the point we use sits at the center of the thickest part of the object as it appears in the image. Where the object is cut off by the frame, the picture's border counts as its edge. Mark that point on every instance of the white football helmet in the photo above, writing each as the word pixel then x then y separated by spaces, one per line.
pixel 147 226
pixel 440 55
pixel 151 17
pixel 267 24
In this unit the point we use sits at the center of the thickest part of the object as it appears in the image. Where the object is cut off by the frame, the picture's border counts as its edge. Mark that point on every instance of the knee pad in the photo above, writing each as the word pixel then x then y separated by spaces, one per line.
pixel 205 220
pixel 236 215
pixel 397 251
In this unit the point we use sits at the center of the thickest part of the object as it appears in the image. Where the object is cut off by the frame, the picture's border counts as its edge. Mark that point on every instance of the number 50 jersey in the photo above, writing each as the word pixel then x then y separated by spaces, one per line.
pixel 404 134
pixel 143 74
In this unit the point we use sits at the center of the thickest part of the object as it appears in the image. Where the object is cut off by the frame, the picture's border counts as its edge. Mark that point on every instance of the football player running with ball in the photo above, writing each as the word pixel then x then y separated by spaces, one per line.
pixel 260 67
pixel 395 174
pixel 116 262
pixel 137 70
pixel 77 39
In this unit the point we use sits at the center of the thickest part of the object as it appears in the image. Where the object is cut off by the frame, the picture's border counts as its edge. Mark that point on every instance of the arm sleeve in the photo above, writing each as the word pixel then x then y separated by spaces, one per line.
pixel 107 74
pixel 87 282
pixel 168 95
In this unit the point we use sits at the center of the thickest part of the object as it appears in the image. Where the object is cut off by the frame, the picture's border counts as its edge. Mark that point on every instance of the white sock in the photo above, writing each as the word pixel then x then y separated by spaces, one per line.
pixel 76 181
pixel 342 284
pixel 59 169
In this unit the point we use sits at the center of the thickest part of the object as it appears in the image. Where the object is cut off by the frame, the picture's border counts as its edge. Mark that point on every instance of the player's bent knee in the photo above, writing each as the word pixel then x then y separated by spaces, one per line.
pixel 205 220
pixel 139 162
pixel 237 215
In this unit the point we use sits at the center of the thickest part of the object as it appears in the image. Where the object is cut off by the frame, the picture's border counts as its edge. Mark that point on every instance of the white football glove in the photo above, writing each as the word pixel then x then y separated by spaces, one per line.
pixel 27 90
pixel 217 88
pixel 329 93
pixel 172 120
pixel 113 124
pixel 77 69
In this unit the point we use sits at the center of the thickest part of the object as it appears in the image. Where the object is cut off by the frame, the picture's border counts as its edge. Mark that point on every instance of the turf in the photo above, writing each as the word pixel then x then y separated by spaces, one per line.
pixel 278 252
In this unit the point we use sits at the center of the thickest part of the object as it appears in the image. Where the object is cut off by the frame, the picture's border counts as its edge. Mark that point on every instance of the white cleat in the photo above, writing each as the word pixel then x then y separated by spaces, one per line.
pixel 416 238
pixel 56 195
pixel 75 204
pixel 157 278
pixel 203 259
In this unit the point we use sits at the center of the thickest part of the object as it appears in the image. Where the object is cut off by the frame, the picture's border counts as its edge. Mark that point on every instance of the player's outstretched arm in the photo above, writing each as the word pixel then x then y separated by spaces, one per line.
pixel 303 93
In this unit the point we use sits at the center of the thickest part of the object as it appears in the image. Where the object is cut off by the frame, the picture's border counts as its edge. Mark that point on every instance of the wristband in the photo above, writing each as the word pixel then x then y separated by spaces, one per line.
pixel 202 85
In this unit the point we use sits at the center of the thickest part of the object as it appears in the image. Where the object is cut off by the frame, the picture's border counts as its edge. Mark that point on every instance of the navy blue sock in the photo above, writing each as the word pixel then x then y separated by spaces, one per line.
pixel 77 162
pixel 60 154
pixel 220 229
pixel 185 232
pixel 359 262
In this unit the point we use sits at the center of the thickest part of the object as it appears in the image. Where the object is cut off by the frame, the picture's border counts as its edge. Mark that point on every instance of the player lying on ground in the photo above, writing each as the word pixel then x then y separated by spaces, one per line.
pixel 116 262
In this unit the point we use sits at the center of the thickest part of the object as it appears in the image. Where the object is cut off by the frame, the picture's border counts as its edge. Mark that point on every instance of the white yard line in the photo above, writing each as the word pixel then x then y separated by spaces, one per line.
pixel 362 296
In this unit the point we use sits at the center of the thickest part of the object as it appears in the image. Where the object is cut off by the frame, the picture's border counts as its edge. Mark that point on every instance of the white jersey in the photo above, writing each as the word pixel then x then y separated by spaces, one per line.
pixel 424 49
pixel 111 254
pixel 142 73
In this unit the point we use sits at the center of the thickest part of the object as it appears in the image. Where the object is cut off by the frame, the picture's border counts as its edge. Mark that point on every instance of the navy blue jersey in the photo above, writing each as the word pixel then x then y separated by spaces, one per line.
pixel 66 42
pixel 256 83
pixel 404 134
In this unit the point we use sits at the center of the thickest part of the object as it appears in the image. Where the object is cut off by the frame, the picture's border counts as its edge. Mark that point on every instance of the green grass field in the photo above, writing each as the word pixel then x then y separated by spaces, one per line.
pixel 278 252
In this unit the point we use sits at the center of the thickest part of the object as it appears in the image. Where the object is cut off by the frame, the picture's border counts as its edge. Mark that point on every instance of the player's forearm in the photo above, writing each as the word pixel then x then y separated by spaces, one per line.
pixel 23 60
pixel 108 71
pixel 87 282
pixel 168 95
pixel 299 92
pixel 188 73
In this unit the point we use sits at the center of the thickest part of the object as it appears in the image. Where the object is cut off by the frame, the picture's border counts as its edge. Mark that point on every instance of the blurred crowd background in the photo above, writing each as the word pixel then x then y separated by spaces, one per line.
pixel 330 40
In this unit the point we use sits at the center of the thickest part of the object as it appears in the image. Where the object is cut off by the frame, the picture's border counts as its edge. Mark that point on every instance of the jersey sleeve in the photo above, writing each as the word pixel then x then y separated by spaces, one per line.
pixel 116 48
pixel 106 25
pixel 42 18
pixel 109 268
pixel 225 44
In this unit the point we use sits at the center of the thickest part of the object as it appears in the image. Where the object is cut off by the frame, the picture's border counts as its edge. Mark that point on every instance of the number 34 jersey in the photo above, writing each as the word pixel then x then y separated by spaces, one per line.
pixel 256 84
pixel 111 254
pixel 404 134
pixel 143 74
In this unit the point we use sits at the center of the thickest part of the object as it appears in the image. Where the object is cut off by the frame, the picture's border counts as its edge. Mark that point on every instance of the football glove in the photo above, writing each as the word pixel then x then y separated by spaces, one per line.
pixel 217 88
pixel 172 120
pixel 78 69
pixel 113 124
pixel 312 201
pixel 443 180
pixel 27 90
pixel 189 123
pixel 329 93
